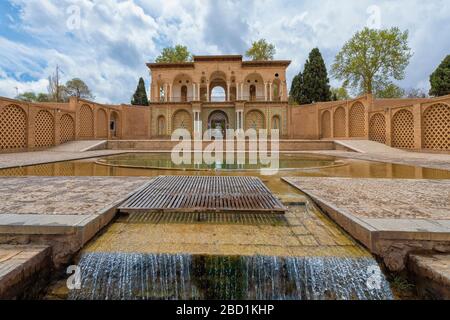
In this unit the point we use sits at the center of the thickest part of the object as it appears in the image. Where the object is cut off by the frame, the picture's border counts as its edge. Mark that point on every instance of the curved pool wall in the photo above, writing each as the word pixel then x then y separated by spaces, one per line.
pixel 164 162
pixel 137 276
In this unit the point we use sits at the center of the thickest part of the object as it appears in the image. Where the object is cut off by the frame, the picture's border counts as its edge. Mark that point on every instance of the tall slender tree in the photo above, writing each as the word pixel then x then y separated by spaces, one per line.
pixel 140 96
pixel 297 94
pixel 316 84
pixel 440 79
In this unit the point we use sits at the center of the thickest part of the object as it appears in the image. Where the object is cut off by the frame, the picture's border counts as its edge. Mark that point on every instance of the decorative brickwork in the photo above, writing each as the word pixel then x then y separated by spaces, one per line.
pixel 44 126
pixel 339 123
pixel 326 124
pixel 86 122
pixel 102 124
pixel 67 129
pixel 436 127
pixel 13 128
pixel 377 128
pixel 357 121
pixel 403 129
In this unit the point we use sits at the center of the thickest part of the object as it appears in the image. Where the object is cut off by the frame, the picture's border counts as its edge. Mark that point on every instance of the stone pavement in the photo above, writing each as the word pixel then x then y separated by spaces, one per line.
pixel 390 217
pixel 368 146
pixel 61 212
pixel 23 270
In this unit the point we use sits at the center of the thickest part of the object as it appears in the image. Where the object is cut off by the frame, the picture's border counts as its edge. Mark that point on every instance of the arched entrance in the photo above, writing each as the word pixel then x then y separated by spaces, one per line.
pixel 218 120
pixel 114 125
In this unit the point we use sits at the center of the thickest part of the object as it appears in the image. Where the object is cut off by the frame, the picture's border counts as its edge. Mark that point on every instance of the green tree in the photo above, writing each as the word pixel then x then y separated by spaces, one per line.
pixel 178 53
pixel 389 91
pixel 42 97
pixel 440 79
pixel 33 97
pixel 140 96
pixel 77 88
pixel 316 85
pixel 296 87
pixel 371 58
pixel 261 50
pixel 27 97
pixel 339 94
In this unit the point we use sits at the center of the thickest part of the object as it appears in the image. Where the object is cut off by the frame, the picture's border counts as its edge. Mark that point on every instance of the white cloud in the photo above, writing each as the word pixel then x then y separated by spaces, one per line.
pixel 117 38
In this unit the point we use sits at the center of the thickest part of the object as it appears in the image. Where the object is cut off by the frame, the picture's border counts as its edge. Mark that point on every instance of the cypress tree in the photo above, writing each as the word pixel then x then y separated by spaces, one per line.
pixel 140 96
pixel 297 92
pixel 440 79
pixel 316 85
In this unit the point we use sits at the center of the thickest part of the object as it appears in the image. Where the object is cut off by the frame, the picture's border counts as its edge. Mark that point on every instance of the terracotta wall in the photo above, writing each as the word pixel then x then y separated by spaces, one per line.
pixel 31 126
pixel 414 124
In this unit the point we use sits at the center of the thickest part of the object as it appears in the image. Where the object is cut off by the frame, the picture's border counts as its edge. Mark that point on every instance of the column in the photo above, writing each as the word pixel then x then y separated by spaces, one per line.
pixel 166 92
pixel 193 91
pixel 242 91
pixel 228 91
pixel 170 93
pixel 207 91
pixel 265 91
pixel 270 91
pixel 150 93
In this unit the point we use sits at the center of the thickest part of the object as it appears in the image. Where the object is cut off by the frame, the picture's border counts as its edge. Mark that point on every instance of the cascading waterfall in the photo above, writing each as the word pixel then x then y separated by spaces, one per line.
pixel 126 276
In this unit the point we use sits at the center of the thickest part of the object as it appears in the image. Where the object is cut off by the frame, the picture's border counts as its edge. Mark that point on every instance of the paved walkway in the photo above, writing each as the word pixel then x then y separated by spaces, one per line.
pixel 390 217
pixel 80 146
pixel 367 146
pixel 62 212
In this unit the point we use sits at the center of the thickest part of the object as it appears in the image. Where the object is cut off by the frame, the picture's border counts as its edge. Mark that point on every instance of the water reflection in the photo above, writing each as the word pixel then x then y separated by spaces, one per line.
pixel 352 169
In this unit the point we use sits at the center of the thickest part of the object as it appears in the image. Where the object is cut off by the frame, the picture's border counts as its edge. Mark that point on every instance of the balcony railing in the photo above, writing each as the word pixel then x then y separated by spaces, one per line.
pixel 220 99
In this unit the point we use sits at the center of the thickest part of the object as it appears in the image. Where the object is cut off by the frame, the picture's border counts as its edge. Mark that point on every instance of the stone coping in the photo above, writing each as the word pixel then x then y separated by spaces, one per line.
pixel 19 268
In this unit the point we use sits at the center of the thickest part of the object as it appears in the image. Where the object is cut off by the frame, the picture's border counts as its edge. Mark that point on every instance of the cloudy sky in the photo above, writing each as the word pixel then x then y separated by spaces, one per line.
pixel 112 40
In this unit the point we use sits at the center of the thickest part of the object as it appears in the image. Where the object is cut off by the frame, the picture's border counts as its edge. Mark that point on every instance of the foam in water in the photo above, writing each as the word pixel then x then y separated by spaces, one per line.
pixel 124 276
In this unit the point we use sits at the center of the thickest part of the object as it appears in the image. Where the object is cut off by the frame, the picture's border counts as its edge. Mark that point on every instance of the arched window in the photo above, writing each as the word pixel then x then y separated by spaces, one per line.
pixel 184 94
pixel 218 94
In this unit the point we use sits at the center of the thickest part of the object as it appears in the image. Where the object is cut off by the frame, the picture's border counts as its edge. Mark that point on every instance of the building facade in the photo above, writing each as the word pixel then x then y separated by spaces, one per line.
pixel 221 92
pixel 218 92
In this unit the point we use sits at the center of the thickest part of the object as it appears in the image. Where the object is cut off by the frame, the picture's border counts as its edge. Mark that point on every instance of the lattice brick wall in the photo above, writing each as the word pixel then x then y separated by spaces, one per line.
pixel 67 129
pixel 436 127
pixel 357 121
pixel 86 122
pixel 339 123
pixel 44 129
pixel 102 124
pixel 326 124
pixel 377 128
pixel 182 120
pixel 403 129
pixel 254 120
pixel 13 128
